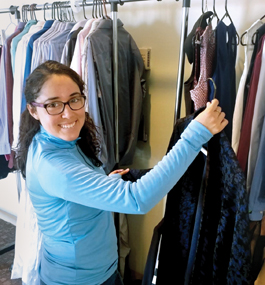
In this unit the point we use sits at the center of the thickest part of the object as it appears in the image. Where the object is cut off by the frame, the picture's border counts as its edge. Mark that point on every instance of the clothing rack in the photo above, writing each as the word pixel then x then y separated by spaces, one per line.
pixel 180 76
pixel 114 10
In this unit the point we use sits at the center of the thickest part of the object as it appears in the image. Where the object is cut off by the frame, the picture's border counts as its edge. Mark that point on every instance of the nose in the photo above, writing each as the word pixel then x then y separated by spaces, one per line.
pixel 67 112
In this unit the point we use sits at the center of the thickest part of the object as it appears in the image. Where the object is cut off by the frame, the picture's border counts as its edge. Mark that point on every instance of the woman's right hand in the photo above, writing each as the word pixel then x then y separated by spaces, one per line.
pixel 212 117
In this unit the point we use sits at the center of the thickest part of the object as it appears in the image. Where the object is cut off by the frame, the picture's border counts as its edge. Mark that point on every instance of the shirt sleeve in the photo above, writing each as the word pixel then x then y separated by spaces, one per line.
pixel 70 180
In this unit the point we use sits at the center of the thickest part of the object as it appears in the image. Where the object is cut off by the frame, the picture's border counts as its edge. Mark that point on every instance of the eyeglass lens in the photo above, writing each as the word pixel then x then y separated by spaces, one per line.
pixel 75 103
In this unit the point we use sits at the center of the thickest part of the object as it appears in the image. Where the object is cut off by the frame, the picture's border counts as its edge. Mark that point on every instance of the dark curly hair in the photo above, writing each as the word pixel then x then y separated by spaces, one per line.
pixel 29 126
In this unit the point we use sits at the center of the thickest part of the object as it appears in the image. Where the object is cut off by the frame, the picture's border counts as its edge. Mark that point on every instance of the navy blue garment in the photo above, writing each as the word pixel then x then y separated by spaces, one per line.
pixel 224 74
pixel 223 249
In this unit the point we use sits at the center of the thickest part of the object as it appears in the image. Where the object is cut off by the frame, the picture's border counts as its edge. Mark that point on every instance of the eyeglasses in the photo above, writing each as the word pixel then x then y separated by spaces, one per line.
pixel 57 107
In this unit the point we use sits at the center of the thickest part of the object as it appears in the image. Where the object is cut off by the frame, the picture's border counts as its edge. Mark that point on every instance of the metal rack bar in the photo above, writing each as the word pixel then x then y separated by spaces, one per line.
pixel 180 78
pixel 12 10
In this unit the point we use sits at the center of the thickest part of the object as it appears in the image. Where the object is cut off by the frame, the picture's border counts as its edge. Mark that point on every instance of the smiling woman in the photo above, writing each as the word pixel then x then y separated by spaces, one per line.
pixel 57 117
pixel 55 101
pixel 71 194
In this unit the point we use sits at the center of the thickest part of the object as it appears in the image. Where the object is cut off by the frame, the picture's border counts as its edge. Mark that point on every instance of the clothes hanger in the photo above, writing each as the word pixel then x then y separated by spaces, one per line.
pixel 203 149
pixel 32 12
pixel 105 9
pixel 255 34
pixel 94 9
pixel 214 12
pixel 24 10
pixel 44 9
pixel 11 23
pixel 83 4
pixel 206 7
pixel 228 15
pixel 100 8
pixel 241 39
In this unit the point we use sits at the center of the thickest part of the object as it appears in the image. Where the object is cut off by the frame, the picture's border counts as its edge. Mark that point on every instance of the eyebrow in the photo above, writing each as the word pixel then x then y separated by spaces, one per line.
pixel 55 98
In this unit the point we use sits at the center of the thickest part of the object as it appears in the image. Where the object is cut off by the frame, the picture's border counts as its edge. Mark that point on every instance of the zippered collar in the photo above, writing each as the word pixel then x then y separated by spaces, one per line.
pixel 43 134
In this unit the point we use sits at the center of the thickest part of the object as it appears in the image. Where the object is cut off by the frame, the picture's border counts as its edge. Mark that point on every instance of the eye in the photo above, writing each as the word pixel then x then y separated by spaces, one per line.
pixel 76 99
pixel 54 105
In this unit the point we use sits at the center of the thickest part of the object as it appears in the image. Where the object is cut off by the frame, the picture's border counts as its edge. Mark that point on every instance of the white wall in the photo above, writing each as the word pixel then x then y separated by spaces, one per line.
pixel 157 25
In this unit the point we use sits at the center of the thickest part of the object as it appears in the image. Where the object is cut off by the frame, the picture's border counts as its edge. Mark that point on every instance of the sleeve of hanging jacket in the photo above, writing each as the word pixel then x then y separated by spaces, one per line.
pixel 60 174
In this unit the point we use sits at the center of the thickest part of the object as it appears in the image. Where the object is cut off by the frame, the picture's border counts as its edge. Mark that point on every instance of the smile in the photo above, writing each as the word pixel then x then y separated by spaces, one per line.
pixel 68 126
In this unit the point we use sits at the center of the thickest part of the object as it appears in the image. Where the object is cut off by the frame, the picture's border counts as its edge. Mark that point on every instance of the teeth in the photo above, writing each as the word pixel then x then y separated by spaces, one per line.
pixel 68 126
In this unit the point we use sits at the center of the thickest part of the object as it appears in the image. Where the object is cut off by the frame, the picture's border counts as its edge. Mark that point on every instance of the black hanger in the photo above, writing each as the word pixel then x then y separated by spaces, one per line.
pixel 241 39
pixel 228 15
pixel 214 12
pixel 203 6
pixel 253 39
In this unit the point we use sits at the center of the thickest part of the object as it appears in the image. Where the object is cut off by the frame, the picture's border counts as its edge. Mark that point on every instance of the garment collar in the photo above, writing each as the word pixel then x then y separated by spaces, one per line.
pixel 56 141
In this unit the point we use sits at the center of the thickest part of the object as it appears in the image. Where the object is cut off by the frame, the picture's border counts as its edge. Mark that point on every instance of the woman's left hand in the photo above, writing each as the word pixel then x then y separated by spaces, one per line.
pixel 120 171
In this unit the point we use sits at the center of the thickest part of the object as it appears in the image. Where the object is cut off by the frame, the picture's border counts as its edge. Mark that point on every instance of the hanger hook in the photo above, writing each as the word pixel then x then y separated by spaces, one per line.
pixel 214 86
pixel 32 12
pixel 84 12
pixel 44 8
pixel 215 11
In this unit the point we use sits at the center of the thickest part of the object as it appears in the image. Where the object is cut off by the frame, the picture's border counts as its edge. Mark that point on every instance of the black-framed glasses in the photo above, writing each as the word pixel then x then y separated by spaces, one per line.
pixel 57 107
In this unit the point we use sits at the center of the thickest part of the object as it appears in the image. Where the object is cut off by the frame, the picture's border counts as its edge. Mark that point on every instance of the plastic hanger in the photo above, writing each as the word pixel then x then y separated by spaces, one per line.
pixel 11 23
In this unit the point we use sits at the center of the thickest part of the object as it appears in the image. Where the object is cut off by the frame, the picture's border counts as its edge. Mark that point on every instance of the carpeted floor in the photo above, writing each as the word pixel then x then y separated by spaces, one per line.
pixel 7 237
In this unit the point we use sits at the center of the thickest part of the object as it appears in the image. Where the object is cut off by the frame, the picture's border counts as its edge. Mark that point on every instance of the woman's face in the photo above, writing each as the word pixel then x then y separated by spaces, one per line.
pixel 68 124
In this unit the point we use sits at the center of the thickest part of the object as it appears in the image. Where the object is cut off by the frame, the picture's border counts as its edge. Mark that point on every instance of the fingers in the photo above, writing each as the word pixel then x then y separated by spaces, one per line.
pixel 124 171
pixel 212 117
pixel 213 104
pixel 120 171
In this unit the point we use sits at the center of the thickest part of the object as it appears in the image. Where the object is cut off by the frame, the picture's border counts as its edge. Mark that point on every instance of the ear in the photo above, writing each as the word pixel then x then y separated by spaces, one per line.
pixel 33 112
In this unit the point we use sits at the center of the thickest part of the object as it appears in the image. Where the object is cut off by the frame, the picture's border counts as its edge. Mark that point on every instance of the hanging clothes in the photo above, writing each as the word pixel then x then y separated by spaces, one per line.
pixel 199 94
pixel 244 142
pixel 130 89
pixel 224 74
pixel 258 35
pixel 20 60
pixel 29 52
pixel 192 50
pixel 256 127
pixel 69 46
pixel 8 88
pixel 257 192
pixel 238 111
pixel 223 251
pixel 16 40
pixel 76 62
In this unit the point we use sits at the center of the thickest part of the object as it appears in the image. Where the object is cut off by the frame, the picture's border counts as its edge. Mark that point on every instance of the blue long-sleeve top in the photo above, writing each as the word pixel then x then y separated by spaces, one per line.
pixel 73 201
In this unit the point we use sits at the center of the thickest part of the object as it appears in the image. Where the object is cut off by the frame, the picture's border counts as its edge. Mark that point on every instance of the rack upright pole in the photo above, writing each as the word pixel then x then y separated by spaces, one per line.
pixel 114 12
pixel 180 78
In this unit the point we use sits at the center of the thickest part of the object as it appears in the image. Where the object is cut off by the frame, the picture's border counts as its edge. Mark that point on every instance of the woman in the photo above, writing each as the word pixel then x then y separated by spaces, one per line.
pixel 71 194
